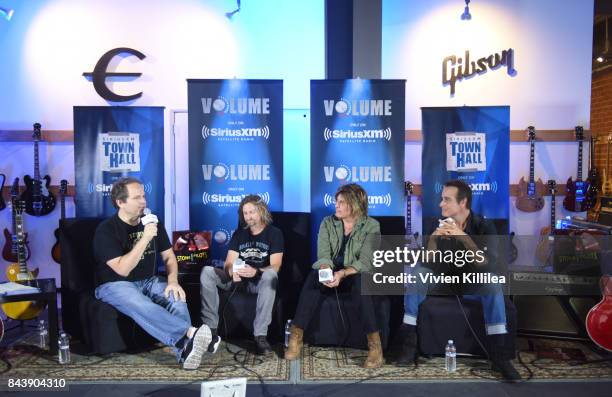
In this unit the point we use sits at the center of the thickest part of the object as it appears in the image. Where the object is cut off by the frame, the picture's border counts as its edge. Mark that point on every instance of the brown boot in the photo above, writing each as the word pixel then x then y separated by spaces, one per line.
pixel 375 355
pixel 296 340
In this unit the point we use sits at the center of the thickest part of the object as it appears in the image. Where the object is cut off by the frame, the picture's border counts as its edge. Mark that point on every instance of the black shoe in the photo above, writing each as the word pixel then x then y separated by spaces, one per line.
pixel 506 369
pixel 262 347
pixel 195 348
pixel 408 348
pixel 214 344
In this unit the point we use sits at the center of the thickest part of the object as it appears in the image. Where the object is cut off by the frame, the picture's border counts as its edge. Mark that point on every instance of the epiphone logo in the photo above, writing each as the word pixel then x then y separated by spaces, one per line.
pixel 456 68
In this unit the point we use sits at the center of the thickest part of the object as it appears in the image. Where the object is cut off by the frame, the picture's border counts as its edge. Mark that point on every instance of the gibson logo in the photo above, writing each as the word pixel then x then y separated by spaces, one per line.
pixel 456 69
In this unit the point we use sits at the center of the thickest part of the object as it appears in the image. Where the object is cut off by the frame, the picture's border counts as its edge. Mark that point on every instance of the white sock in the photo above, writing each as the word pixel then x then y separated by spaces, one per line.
pixel 191 331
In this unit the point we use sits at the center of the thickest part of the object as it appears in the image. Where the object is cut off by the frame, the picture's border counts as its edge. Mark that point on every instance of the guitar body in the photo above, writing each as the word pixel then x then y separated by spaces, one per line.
pixel 530 195
pixel 576 196
pixel 25 310
pixel 544 251
pixel 38 205
pixel 513 249
pixel 599 318
pixel 56 252
pixel 8 253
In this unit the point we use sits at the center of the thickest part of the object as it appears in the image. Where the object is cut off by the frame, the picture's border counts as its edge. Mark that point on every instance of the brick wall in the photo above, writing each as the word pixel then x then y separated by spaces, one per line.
pixel 601 116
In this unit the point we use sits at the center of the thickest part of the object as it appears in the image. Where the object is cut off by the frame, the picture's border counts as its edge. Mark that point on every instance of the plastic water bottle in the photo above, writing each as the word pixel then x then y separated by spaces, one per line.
pixel 43 335
pixel 287 332
pixel 451 356
pixel 64 348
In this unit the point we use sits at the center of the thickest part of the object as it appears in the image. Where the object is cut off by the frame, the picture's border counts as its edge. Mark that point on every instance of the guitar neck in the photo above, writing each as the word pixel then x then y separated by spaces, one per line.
pixel 409 214
pixel 579 160
pixel 553 212
pixel 531 163
pixel 21 254
pixel 63 207
pixel 36 163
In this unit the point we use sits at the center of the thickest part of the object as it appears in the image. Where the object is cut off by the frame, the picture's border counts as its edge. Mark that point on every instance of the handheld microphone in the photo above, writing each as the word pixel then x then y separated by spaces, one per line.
pixel 148 217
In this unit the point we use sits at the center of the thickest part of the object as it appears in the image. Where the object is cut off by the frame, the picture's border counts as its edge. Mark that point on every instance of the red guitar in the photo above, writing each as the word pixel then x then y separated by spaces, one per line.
pixel 599 319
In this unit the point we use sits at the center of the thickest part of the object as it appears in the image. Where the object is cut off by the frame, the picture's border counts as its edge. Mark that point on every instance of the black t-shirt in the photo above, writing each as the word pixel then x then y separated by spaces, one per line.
pixel 116 238
pixel 256 250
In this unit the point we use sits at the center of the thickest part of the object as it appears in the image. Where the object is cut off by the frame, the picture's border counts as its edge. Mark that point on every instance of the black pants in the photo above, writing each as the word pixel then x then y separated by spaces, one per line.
pixel 313 293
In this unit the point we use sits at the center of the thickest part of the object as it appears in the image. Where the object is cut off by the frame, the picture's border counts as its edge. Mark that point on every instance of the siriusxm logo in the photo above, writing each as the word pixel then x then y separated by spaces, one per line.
pixel 357 135
pixel 361 107
pixel 346 174
pixel 106 188
pixel 229 200
pixel 236 105
pixel 477 188
pixel 236 172
pixel 263 132
pixel 329 200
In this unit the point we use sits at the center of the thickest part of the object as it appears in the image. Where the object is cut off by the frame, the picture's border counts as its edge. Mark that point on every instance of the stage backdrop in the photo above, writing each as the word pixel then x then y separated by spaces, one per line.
pixel 235 149
pixel 471 144
pixel 115 141
pixel 356 135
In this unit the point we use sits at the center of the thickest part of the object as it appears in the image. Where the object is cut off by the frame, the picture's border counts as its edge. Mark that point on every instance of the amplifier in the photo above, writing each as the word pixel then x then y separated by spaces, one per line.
pixel 540 283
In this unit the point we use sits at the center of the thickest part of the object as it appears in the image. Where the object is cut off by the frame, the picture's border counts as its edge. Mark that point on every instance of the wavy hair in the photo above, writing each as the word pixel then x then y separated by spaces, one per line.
pixel 260 205
pixel 356 197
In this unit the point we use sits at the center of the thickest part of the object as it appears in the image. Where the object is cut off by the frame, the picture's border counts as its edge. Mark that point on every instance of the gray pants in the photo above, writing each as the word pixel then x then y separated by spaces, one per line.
pixel 264 287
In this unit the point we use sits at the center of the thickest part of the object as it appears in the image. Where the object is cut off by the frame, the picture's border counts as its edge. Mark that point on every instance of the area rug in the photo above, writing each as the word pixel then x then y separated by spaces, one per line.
pixel 544 359
pixel 24 360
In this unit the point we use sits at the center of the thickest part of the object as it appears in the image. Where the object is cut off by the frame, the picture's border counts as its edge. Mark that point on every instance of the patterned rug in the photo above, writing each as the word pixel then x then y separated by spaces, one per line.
pixel 538 359
pixel 25 360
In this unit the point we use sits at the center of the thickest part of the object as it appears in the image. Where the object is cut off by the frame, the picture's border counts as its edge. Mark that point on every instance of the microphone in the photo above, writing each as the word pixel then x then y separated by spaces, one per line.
pixel 148 217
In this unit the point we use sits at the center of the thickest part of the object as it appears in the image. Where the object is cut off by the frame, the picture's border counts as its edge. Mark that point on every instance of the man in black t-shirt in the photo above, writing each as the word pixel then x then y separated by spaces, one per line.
pixel 125 250
pixel 260 246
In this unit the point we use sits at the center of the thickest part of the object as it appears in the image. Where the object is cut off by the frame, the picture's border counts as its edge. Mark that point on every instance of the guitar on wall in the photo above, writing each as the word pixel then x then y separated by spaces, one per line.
pixel 576 191
pixel 9 251
pixel 594 182
pixel 39 200
pixel 544 251
pixel 2 202
pixel 530 194
pixel 55 251
pixel 606 182
pixel 599 318
pixel 411 238
pixel 25 310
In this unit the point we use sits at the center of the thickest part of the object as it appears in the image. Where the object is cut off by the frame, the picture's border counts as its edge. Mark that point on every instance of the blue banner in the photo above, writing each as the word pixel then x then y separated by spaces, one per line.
pixel 115 141
pixel 235 149
pixel 471 143
pixel 357 136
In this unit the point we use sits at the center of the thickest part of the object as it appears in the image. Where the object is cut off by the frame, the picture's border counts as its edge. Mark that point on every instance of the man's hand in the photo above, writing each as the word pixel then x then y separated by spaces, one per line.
pixel 150 231
pixel 449 229
pixel 338 276
pixel 247 272
pixel 176 290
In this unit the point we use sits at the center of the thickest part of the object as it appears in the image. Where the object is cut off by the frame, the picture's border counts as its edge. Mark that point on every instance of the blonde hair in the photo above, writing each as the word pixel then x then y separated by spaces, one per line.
pixel 260 205
pixel 356 197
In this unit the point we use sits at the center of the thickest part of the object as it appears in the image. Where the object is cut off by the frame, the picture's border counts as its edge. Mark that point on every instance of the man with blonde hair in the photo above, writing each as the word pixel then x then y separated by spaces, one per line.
pixel 256 250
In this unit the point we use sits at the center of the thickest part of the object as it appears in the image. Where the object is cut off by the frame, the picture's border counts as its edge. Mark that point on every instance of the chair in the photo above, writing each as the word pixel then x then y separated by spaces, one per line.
pixel 102 328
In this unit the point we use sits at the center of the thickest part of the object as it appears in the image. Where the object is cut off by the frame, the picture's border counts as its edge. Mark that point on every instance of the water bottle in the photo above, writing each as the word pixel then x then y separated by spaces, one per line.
pixel 451 357
pixel 43 335
pixel 287 332
pixel 64 348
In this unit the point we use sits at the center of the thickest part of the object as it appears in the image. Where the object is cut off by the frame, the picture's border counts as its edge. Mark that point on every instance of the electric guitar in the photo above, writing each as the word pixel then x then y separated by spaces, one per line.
pixel 9 251
pixel 25 310
pixel 411 238
pixel 544 251
pixel 530 194
pixel 593 179
pixel 39 200
pixel 606 182
pixel 55 251
pixel 576 194
pixel 599 318
pixel 2 202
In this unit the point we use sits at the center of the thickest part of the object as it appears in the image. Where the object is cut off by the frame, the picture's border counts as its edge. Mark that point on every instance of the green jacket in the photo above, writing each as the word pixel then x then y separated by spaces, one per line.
pixel 365 238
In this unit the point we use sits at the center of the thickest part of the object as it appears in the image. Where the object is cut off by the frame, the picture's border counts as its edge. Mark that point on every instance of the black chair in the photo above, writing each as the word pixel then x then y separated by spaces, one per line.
pixel 102 328
pixel 441 319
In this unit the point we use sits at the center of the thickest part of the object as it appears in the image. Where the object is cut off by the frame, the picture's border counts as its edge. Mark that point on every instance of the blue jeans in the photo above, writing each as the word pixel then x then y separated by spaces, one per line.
pixel 490 296
pixel 143 301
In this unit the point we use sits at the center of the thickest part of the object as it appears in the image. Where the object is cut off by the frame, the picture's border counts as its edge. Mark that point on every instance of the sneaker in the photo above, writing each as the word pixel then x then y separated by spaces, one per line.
pixel 507 370
pixel 195 348
pixel 262 347
pixel 214 344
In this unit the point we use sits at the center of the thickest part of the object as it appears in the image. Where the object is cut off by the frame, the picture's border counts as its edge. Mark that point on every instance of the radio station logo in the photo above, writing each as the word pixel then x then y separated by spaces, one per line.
pixel 229 200
pixel 239 133
pixel 242 105
pixel 358 107
pixel 119 151
pixel 466 151
pixel 477 188
pixel 346 174
pixel 222 236
pixel 357 136
pixel 105 188
pixel 373 200
pixel 222 172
